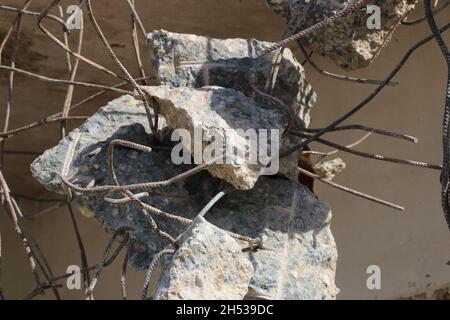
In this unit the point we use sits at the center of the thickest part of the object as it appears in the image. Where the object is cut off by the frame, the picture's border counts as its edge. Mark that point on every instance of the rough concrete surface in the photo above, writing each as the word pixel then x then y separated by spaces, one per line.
pixel 208 265
pixel 298 259
pixel 348 42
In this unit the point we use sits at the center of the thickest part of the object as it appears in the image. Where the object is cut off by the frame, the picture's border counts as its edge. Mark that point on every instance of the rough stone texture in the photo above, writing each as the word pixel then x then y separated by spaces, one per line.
pixel 217 113
pixel 299 256
pixel 186 60
pixel 329 169
pixel 298 260
pixel 123 118
pixel 348 42
pixel 209 265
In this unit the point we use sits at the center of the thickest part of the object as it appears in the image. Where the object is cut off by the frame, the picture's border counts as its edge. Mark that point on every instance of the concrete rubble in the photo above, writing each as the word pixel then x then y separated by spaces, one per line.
pixel 208 265
pixel 348 42
pixel 298 255
pixel 185 60
pixel 298 260
pixel 218 113
pixel 329 169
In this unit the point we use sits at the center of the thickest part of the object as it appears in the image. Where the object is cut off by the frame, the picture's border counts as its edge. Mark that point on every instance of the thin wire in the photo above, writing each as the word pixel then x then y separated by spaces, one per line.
pixel 362 104
pixel 156 258
pixel 351 6
pixel 445 174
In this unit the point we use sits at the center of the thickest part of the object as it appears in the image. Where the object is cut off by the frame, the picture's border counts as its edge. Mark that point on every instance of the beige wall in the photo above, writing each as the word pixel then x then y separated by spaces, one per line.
pixel 412 248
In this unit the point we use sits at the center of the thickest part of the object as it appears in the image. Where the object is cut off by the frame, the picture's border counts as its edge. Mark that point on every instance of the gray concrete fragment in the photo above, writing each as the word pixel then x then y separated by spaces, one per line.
pixel 329 169
pixel 186 60
pixel 123 118
pixel 208 265
pixel 222 117
pixel 348 42
pixel 298 260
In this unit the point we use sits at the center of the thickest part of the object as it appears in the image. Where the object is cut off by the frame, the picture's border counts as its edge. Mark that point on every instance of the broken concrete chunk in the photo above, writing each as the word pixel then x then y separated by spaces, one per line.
pixel 329 169
pixel 116 119
pixel 349 42
pixel 185 60
pixel 123 118
pixel 226 121
pixel 208 265
pixel 298 260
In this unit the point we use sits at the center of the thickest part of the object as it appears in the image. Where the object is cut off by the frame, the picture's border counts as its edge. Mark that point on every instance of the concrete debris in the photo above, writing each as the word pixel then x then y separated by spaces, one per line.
pixel 349 42
pixel 222 120
pixel 329 169
pixel 218 89
pixel 208 265
pixel 298 259
pixel 186 60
